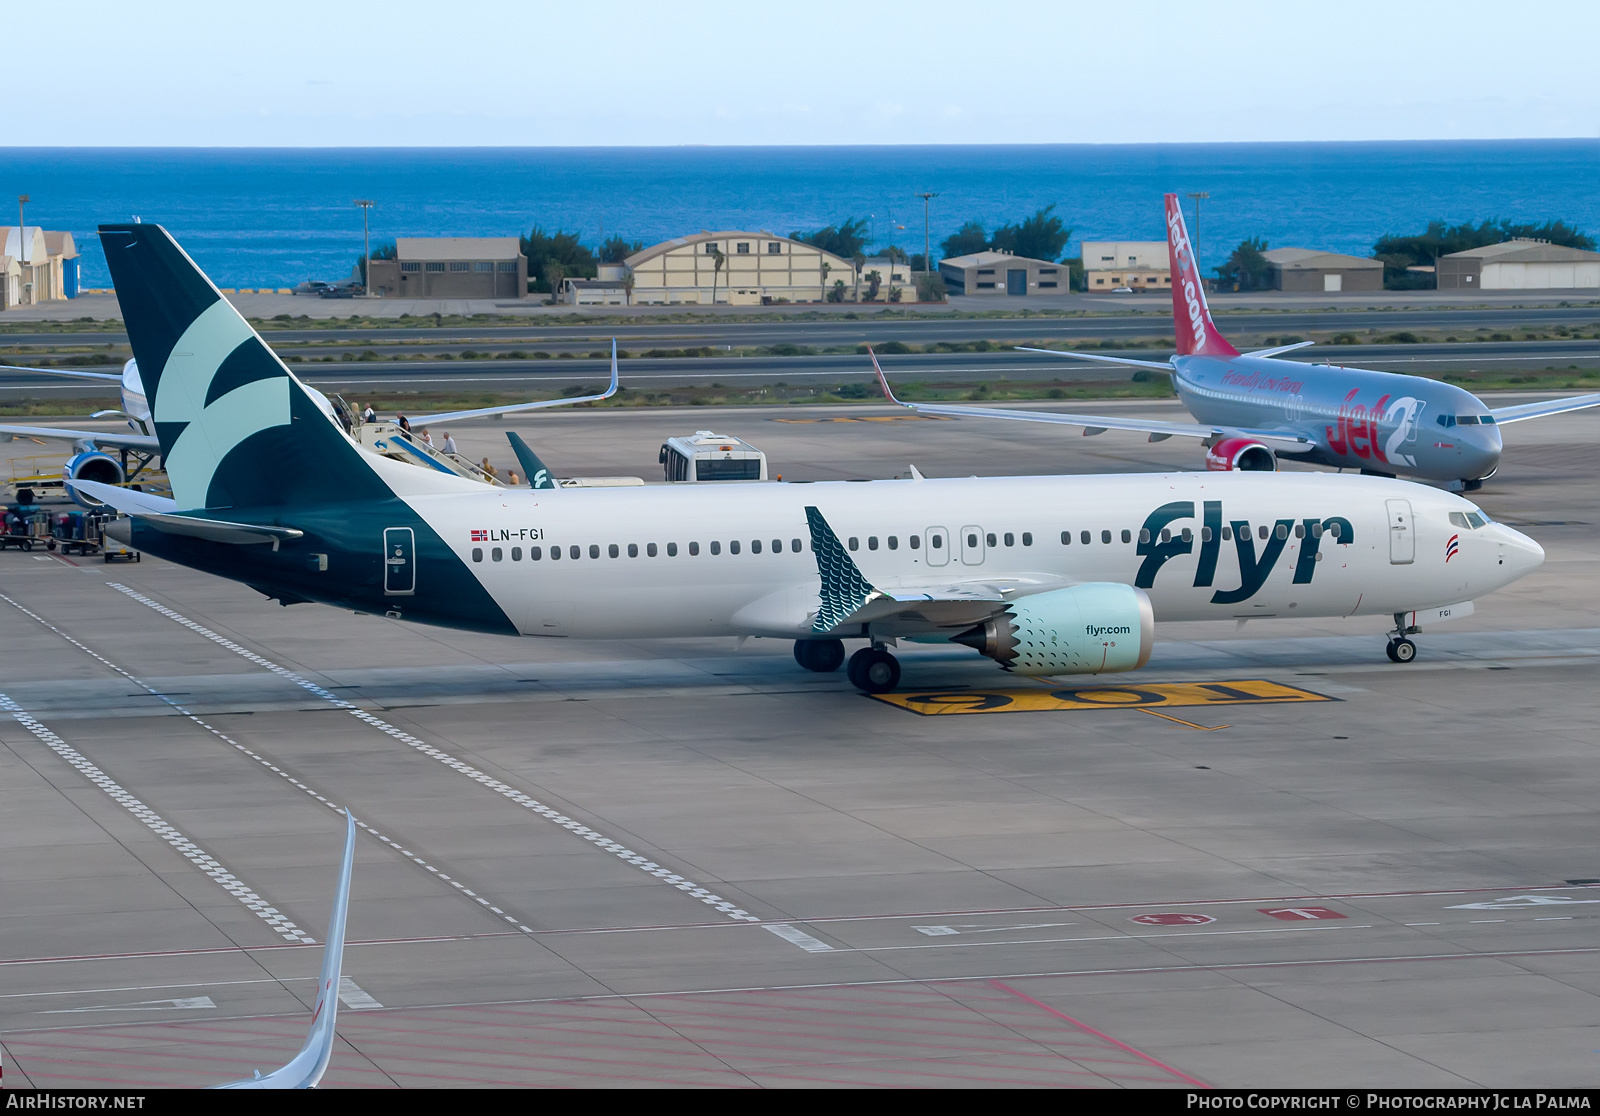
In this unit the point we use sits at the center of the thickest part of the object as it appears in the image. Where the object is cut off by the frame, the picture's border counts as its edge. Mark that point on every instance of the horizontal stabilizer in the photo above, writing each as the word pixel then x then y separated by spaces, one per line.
pixel 1158 365
pixel 211 530
pixel 1278 349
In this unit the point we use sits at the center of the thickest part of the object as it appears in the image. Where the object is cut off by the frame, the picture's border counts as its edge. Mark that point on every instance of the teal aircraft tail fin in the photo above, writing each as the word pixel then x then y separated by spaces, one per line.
pixel 237 429
pixel 538 475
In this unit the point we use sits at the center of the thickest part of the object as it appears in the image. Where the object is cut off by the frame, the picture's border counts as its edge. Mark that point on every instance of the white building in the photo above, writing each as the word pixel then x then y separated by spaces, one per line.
pixel 757 268
pixel 45 265
pixel 1138 264
pixel 1519 265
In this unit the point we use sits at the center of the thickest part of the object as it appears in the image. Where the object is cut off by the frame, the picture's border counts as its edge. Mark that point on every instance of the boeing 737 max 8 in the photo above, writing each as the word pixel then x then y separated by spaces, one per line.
pixel 1252 408
pixel 1046 575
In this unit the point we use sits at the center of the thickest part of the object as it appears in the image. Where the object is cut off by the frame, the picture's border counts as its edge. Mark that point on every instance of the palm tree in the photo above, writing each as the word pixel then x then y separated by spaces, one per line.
pixel 860 261
pixel 717 260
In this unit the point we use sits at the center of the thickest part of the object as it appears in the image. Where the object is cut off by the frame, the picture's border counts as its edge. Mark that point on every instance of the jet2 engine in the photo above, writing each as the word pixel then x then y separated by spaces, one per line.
pixel 1240 454
pixel 92 465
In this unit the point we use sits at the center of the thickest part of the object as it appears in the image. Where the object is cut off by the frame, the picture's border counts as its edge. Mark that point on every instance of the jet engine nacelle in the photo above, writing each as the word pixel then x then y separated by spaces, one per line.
pixel 1096 628
pixel 92 466
pixel 1241 454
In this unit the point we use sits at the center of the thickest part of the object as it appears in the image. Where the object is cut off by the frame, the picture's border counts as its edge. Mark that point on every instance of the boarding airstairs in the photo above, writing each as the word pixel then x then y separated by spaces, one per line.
pixel 388 439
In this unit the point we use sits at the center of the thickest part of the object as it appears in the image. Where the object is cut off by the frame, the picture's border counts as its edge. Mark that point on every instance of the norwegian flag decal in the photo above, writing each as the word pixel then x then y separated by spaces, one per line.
pixel 480 536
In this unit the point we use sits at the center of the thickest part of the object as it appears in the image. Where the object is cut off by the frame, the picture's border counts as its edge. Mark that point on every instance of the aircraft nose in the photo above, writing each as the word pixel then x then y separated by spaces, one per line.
pixel 1518 553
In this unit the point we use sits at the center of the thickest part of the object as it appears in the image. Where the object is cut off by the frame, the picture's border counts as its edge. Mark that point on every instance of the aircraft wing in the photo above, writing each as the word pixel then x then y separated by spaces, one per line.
pixel 847 598
pixel 115 377
pixel 1544 408
pixel 1094 424
pixel 146 443
pixel 484 412
pixel 306 1068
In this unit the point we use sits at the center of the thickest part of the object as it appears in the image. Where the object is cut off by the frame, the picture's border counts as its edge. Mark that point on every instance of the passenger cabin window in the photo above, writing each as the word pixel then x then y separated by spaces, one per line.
pixel 872 542
pixel 496 554
pixel 794 545
pixel 1066 538
pixel 594 550
pixel 755 546
pixel 733 547
pixel 535 553
pixel 516 554
pixel 914 541
pixel 894 542
pixel 477 554
pixel 1011 540
pixel 989 539
pixel 555 554
pixel 854 543
pixel 716 548
pixel 611 550
pixel 650 550
pixel 633 550
pixel 936 541
pixel 1105 537
pixel 573 552
pixel 694 549
pixel 1127 535
pixel 1084 538
pixel 672 549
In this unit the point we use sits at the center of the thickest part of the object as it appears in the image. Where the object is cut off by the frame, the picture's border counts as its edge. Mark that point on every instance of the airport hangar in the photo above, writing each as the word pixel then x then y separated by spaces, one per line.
pixel 757 268
pixel 1383 879
pixel 452 267
pixel 1310 269
pixel 1518 265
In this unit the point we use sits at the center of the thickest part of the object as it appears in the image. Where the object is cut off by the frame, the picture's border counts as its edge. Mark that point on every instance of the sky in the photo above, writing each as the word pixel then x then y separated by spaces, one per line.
pixel 403 73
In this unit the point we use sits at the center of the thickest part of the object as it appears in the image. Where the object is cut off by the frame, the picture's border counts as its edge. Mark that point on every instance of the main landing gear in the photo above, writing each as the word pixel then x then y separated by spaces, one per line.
pixel 820 655
pixel 1401 649
pixel 874 670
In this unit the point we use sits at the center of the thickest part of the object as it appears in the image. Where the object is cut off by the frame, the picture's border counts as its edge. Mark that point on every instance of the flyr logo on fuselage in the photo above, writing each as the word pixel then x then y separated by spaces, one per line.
pixel 1254 567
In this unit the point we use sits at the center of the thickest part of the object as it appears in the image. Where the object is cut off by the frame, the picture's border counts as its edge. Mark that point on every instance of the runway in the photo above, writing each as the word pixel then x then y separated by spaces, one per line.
pixel 688 863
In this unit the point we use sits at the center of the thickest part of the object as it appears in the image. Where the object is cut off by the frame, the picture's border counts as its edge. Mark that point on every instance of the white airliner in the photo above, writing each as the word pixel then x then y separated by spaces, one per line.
pixel 1045 575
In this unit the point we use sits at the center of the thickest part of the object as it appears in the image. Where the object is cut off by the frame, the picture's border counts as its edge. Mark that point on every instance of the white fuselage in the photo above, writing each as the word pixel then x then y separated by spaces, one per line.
pixel 1375 565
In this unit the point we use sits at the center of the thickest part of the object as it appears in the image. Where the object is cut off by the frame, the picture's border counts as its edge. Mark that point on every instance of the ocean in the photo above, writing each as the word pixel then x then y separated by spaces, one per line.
pixel 256 217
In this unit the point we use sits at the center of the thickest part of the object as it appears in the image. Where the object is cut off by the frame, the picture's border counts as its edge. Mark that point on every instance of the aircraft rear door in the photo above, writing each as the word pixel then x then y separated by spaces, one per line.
pixel 399 561
pixel 1402 537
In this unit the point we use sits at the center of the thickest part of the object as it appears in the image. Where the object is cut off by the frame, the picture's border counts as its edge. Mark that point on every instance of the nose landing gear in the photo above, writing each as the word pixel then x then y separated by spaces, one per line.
pixel 874 670
pixel 1401 649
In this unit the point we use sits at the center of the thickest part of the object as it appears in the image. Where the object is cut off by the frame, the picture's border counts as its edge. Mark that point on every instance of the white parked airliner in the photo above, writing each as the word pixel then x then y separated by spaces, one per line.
pixel 1045 575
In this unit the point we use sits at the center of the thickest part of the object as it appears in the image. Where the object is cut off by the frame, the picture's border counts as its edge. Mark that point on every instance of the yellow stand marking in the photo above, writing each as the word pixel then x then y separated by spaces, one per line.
pixel 1148 696
pixel 1181 721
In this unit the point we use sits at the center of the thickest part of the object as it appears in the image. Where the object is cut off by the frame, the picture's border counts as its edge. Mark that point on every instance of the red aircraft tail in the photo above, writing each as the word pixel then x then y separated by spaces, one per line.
pixel 1191 318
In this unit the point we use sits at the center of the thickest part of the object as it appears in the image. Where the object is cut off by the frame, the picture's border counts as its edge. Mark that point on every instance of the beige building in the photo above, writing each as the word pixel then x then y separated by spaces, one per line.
pixel 43 267
pixel 1519 265
pixel 1136 264
pixel 452 267
pixel 594 292
pixel 757 268
pixel 1000 273
pixel 1306 269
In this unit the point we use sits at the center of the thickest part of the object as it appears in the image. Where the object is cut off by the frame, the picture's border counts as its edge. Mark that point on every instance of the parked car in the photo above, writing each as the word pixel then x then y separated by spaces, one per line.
pixel 343 290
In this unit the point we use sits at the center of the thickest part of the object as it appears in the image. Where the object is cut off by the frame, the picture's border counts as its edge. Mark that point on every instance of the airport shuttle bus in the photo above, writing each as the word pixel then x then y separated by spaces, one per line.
pixel 1044 575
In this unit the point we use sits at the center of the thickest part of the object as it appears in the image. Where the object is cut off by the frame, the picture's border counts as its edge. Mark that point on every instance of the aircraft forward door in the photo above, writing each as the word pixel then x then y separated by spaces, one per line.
pixel 972 548
pixel 399 562
pixel 937 550
pixel 1402 537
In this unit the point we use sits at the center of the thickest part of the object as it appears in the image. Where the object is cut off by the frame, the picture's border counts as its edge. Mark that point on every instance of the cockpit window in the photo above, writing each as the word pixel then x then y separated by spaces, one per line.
pixel 1477 519
pixel 1469 521
pixel 1466 420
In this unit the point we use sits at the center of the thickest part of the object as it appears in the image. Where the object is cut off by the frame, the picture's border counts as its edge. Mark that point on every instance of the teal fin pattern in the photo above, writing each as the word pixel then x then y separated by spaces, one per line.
pixel 844 590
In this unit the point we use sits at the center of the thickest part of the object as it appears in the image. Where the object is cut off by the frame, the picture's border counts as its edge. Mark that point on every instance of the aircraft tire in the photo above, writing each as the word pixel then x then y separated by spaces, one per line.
pixel 821 655
pixel 874 671
pixel 1402 650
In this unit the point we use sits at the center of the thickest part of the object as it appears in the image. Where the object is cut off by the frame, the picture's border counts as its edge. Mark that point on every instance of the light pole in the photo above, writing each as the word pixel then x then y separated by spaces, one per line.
pixel 22 238
pixel 927 251
pixel 1198 197
pixel 365 205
